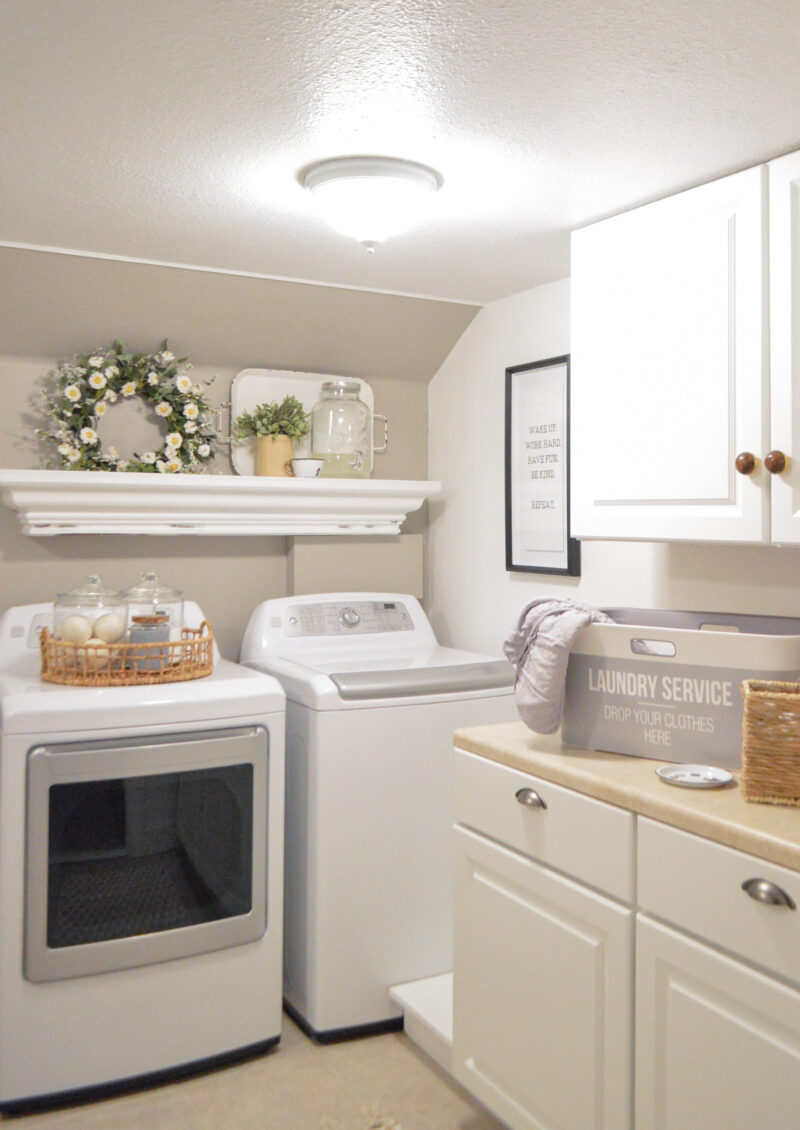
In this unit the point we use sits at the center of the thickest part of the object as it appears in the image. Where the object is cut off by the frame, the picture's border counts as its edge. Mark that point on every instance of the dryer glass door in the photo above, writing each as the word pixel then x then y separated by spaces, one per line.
pixel 141 852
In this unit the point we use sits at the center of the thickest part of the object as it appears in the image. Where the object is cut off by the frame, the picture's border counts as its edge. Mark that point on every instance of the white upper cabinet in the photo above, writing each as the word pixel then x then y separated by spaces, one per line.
pixel 670 367
pixel 784 249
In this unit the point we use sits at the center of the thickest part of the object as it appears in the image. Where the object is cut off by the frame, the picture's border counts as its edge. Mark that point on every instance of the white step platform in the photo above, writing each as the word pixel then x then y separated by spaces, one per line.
pixel 428 1015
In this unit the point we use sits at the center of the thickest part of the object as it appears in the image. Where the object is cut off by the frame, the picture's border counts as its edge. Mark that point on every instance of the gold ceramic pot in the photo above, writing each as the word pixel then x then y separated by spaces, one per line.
pixel 274 455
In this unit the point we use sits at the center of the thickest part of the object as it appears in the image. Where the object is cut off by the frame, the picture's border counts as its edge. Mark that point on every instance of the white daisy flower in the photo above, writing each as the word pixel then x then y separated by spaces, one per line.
pixel 183 384
pixel 111 372
pixel 204 450
pixel 148 457
pixel 97 380
pixel 163 409
pixel 190 428
pixel 101 409
pixel 191 411
pixel 64 448
pixel 174 465
pixel 96 361
pixel 72 392
pixel 129 389
pixel 113 453
pixel 79 372
pixel 89 436
pixel 123 465
pixel 165 357
pixel 197 389
pixel 174 439
pixel 74 455
pixel 152 378
pixel 110 395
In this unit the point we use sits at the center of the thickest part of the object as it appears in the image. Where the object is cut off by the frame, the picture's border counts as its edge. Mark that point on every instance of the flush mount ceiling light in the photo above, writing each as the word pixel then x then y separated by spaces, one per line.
pixel 371 198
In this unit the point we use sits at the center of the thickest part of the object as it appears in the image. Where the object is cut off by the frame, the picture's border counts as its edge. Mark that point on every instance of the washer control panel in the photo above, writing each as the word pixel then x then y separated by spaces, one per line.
pixel 358 618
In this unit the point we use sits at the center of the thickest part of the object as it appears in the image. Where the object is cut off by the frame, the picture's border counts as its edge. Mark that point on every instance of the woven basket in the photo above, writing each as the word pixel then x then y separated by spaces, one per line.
pixel 771 742
pixel 128 664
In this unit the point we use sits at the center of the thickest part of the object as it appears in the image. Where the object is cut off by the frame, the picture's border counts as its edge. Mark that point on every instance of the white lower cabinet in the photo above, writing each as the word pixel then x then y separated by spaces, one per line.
pixel 717 1042
pixel 541 982
pixel 547 1030
pixel 717 986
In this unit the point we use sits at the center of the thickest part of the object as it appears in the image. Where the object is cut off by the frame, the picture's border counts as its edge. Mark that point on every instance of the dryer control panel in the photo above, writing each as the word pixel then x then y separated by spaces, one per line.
pixel 336 618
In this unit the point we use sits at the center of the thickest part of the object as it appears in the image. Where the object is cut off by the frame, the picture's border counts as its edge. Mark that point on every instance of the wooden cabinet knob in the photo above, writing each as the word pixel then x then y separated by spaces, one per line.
pixel 745 463
pixel 775 462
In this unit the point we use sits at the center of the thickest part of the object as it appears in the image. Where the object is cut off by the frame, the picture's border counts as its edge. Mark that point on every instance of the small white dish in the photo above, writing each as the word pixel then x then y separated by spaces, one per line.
pixel 694 776
pixel 307 468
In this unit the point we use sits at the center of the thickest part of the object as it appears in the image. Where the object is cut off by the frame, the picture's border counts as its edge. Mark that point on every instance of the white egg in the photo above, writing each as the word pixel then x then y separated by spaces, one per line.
pixel 109 628
pixel 74 629
pixel 95 652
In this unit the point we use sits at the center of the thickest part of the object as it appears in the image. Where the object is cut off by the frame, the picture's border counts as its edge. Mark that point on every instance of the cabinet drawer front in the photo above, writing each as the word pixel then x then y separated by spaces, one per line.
pixel 697 885
pixel 586 838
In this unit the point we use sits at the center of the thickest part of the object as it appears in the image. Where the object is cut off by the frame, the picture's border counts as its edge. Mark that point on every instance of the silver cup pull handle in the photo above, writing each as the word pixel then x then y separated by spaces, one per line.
pixel 530 798
pixel 762 890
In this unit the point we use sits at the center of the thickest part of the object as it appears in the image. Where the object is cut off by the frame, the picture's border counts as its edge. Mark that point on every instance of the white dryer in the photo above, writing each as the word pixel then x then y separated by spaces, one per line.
pixel 141 836
pixel 372 703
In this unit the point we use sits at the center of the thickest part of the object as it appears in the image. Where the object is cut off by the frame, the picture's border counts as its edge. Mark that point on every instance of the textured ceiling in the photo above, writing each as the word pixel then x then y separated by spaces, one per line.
pixel 174 131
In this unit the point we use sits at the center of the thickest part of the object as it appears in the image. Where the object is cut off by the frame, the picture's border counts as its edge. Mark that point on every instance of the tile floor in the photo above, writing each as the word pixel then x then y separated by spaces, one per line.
pixel 377 1083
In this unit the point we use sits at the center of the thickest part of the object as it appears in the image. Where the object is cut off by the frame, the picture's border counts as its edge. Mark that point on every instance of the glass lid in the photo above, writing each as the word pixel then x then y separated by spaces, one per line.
pixel 90 592
pixel 341 386
pixel 149 590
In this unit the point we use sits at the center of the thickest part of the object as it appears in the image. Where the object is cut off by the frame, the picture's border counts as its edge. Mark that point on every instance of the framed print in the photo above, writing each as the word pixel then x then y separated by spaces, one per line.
pixel 537 470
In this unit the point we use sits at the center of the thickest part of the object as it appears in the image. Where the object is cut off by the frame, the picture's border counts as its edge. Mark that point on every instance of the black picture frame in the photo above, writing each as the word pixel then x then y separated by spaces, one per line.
pixel 538 538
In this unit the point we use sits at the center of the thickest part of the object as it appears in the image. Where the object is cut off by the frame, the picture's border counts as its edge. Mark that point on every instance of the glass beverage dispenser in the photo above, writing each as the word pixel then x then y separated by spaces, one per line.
pixel 341 431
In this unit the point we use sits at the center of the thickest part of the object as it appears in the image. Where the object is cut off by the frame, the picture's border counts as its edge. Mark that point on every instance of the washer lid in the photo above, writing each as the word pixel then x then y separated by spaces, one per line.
pixel 410 681
pixel 324 679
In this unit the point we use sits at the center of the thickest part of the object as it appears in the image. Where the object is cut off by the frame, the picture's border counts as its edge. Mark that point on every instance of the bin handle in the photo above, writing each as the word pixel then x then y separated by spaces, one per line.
pixel 664 649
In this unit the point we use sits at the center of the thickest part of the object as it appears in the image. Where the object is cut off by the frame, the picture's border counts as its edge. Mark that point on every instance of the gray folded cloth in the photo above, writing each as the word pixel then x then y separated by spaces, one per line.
pixel 539 645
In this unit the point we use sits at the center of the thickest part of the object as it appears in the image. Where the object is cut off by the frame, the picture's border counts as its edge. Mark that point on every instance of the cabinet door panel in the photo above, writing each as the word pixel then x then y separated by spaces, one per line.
pixel 717 1044
pixel 784 221
pixel 668 367
pixel 542 993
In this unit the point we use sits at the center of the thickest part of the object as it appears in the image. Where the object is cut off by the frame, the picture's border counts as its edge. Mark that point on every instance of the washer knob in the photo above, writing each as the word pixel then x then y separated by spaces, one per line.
pixel 349 618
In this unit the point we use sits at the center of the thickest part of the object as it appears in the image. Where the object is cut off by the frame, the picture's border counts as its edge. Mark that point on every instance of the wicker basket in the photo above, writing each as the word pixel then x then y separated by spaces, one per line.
pixel 128 664
pixel 771 742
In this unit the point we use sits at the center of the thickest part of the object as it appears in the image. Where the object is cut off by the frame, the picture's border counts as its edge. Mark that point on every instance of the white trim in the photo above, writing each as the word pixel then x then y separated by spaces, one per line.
pixel 228 271
pixel 108 502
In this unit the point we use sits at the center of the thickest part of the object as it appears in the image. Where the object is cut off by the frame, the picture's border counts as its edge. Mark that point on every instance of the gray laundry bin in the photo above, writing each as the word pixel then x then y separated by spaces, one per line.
pixel 666 685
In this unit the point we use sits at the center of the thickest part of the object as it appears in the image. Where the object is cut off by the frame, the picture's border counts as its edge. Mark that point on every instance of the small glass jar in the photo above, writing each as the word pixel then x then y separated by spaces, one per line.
pixel 89 612
pixel 148 597
pixel 341 431
pixel 150 629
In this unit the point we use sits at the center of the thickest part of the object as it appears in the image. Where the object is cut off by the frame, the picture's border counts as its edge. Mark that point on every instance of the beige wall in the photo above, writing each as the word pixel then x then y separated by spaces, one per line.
pixel 55 305
pixel 472 600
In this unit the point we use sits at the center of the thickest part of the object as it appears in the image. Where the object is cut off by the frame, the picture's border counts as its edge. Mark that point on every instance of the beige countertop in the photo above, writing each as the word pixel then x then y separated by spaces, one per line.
pixel 768 831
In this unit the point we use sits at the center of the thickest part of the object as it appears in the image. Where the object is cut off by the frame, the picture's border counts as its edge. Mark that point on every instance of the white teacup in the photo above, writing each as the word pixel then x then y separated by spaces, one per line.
pixel 307 468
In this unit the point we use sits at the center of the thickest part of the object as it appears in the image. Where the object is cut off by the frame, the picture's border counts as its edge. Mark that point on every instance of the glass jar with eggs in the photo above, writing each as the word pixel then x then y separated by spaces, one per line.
pixel 101 637
pixel 89 614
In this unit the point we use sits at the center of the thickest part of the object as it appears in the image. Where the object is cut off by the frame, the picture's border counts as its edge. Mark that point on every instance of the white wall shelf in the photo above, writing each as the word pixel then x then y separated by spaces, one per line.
pixel 105 502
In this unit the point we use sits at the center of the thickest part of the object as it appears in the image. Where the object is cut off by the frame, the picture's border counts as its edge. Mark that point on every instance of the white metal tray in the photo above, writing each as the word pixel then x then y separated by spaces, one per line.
pixel 258 386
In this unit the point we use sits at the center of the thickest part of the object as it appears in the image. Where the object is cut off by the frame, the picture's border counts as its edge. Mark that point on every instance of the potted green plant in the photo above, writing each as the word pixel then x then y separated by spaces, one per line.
pixel 276 426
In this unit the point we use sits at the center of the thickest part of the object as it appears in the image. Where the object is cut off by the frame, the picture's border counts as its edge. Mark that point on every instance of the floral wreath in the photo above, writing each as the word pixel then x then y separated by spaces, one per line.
pixel 88 384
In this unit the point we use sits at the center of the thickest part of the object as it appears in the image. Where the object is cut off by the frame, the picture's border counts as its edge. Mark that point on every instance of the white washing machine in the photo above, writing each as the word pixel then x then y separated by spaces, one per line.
pixel 141 837
pixel 372 703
